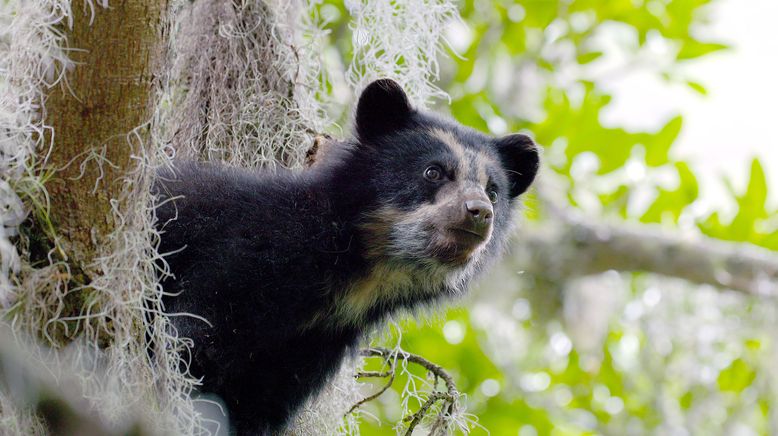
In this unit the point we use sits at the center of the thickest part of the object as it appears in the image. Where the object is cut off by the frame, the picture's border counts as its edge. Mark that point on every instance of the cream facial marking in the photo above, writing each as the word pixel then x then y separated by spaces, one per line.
pixel 456 147
pixel 471 164
pixel 483 159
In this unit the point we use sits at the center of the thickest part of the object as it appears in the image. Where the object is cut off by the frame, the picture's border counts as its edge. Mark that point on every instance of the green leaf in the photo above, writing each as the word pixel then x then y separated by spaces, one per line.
pixel 658 147
pixel 736 377
pixel 586 58
pixel 692 49
pixel 669 205
pixel 755 198
pixel 546 64
pixel 697 86
pixel 686 400
pixel 750 224
pixel 688 187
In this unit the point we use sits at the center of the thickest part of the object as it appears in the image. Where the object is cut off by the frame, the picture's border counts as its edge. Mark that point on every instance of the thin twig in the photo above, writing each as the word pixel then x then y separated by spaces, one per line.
pixel 373 374
pixel 436 370
pixel 449 397
pixel 416 418
pixel 391 373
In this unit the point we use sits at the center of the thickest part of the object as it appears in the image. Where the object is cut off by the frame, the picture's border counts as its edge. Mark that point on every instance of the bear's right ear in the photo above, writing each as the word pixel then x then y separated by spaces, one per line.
pixel 383 108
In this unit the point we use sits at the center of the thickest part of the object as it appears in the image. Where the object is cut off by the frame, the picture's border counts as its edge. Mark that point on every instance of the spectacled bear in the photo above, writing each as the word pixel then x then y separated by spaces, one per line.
pixel 292 268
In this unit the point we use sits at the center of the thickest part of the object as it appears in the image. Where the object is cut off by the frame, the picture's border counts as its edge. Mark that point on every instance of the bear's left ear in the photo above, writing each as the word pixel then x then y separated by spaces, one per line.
pixel 383 108
pixel 519 156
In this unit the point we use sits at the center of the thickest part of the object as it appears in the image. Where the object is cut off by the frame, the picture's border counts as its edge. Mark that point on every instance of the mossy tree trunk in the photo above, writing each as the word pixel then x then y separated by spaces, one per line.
pixel 96 117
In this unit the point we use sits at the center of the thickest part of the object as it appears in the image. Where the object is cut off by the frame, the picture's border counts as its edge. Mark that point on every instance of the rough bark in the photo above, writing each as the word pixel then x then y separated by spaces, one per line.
pixel 106 97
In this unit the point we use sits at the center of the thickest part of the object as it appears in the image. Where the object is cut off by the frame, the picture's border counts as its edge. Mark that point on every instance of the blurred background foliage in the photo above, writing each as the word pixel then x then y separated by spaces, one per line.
pixel 617 353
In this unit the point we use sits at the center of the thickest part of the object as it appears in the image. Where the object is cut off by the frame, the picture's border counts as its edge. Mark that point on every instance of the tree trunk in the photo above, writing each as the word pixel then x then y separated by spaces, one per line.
pixel 96 117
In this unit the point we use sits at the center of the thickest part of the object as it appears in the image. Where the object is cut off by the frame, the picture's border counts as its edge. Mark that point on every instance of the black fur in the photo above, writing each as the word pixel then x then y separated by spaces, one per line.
pixel 519 155
pixel 269 259
pixel 383 108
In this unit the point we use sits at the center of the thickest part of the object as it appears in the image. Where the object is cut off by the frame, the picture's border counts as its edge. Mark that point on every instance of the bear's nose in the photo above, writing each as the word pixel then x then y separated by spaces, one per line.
pixel 479 211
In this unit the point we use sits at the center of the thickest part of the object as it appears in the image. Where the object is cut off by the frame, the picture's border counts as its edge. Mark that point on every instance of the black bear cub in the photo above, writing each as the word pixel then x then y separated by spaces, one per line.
pixel 292 268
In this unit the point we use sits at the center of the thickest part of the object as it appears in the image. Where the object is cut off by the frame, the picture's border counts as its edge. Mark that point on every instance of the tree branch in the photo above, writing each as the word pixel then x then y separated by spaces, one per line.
pixel 573 247
pixel 449 397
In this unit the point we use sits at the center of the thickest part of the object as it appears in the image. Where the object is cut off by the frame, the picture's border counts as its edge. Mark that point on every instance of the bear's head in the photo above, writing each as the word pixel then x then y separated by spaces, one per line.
pixel 445 192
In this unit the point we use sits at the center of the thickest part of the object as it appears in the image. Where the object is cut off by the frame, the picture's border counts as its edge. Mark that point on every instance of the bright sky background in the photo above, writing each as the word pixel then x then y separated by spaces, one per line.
pixel 738 119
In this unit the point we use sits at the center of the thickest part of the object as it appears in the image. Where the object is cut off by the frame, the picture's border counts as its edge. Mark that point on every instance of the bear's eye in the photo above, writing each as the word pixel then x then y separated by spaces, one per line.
pixel 433 173
pixel 492 195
